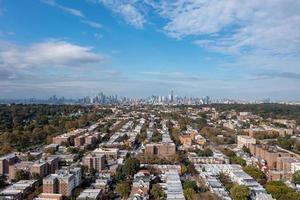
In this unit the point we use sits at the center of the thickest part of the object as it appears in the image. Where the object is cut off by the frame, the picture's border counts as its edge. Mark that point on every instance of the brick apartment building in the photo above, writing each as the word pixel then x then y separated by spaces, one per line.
pixel 59 184
pixel 42 167
pixel 161 149
pixel 93 161
pixel 63 181
pixel 6 161
pixel 279 162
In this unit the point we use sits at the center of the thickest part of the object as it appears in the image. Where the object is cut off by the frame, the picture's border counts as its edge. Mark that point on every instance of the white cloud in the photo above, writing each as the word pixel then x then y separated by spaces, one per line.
pixel 92 24
pixel 74 12
pixel 71 11
pixel 53 53
pixel 236 26
pixel 128 10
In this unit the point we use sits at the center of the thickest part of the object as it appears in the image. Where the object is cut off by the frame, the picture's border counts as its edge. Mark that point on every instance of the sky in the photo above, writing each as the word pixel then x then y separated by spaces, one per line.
pixel 237 49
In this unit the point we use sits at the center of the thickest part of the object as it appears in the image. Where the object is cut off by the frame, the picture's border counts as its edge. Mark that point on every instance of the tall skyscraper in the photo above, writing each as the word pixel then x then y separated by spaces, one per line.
pixel 172 96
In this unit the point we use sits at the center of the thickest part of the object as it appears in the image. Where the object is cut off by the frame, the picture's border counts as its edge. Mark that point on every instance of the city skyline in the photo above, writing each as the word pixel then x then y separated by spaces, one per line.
pixel 235 50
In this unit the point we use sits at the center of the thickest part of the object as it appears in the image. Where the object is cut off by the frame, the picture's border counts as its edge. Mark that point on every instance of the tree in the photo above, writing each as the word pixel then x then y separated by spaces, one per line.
pixel 189 193
pixel 296 177
pixel 183 169
pixel 281 191
pixel 205 153
pixel 190 184
pixel 2 181
pixel 246 149
pixel 240 192
pixel 257 174
pixel 22 175
pixel 238 160
pixel 123 189
pixel 131 166
pixel 36 176
pixel 226 181
pixel 157 192
pixel 285 142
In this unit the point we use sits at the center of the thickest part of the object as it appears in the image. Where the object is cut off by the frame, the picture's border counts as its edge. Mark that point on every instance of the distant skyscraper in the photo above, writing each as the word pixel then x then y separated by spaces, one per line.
pixel 172 96
pixel 207 100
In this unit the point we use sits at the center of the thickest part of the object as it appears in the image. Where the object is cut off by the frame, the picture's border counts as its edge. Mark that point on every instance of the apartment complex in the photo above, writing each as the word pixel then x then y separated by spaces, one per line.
pixel 6 161
pixel 161 149
pixel 63 181
pixel 94 161
pixel 278 162
pixel 42 167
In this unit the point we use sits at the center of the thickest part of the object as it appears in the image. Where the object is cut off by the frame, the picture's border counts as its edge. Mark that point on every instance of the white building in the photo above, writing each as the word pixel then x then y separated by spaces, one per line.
pixel 244 140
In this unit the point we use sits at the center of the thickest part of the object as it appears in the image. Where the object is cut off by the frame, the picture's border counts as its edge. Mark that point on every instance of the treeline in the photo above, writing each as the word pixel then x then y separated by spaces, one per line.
pixel 265 110
pixel 25 126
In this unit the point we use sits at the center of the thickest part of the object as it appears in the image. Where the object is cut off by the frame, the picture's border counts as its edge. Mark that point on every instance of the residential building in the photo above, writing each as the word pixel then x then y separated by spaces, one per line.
pixel 244 140
pixel 6 161
pixel 94 161
pixel 91 194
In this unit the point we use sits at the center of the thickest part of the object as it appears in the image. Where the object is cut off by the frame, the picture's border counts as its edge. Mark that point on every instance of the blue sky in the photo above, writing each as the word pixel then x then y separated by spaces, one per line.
pixel 225 49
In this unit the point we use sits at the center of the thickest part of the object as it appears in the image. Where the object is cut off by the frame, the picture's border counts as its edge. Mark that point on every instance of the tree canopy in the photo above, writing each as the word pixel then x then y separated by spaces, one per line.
pixel 281 191
pixel 239 192
pixel 296 177
pixel 131 166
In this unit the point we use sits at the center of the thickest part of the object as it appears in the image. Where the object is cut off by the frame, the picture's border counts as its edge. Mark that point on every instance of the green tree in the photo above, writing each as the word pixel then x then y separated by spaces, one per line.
pixel 285 142
pixel 36 176
pixel 238 160
pixel 123 189
pixel 226 181
pixel 296 177
pixel 190 184
pixel 131 166
pixel 239 192
pixel 205 153
pixel 22 175
pixel 257 174
pixel 157 192
pixel 189 193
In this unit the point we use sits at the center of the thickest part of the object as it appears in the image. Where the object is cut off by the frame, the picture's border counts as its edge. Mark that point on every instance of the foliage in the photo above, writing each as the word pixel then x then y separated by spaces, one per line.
pixel 225 180
pixel 238 160
pixel 23 127
pixel 296 177
pixel 285 142
pixel 123 189
pixel 36 176
pixel 265 110
pixel 199 123
pixel 131 166
pixel 2 181
pixel 157 192
pixel 122 138
pixel 229 152
pixel 189 193
pixel 256 173
pixel 279 190
pixel 261 135
pixel 22 175
pixel 156 137
pixel 246 149
pixel 239 192
pixel 190 184
pixel 205 153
